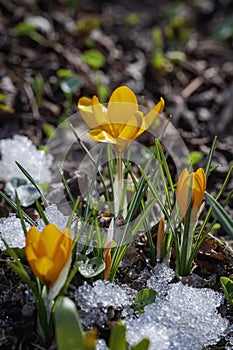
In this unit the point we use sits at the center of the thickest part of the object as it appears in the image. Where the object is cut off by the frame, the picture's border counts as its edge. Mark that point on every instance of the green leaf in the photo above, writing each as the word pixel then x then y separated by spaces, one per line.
pixel 227 286
pixel 132 19
pixel 28 29
pixel 158 60
pixel 87 23
pixel 176 56
pixel 20 212
pixel 64 73
pixel 145 297
pixel 118 337
pixel 13 205
pixel 173 9
pixel 210 157
pixel 30 178
pixel 195 157
pixel 20 252
pixel 224 31
pixel 25 28
pixel 71 85
pixel 4 103
pixel 37 85
pixel 94 58
pixel 66 186
pixel 69 332
pixel 157 39
pixel 91 267
pixel 49 130
pixel 221 214
pixel 6 108
pixel 102 92
pixel 41 212
pixel 142 345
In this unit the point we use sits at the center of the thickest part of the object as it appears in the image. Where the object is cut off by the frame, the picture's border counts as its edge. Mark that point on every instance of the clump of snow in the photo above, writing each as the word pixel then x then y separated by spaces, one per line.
pixel 181 318
pixel 22 150
pixel 11 231
pixel 161 277
pixel 229 338
pixel 103 294
pixel 54 216
pixel 101 345
pixel 103 301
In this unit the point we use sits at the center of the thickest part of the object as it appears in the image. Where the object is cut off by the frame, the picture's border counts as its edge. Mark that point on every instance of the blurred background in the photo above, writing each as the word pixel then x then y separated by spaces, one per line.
pixel 53 52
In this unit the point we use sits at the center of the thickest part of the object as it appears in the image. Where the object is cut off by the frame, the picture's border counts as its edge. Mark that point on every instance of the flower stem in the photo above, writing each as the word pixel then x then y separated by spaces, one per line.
pixel 118 188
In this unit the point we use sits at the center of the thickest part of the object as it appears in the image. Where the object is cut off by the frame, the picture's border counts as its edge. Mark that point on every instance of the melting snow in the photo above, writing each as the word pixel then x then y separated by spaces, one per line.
pixel 11 230
pixel 22 150
pixel 182 317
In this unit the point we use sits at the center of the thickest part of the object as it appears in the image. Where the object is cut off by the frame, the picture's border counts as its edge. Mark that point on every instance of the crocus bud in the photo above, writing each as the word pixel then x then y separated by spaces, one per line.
pixel 198 190
pixel 48 252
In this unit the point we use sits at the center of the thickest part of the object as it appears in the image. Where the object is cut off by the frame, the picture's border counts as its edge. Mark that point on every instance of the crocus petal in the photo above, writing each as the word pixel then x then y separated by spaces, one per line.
pixel 182 178
pixel 42 269
pixel 122 105
pixel 153 114
pixel 182 191
pixel 64 246
pixel 100 135
pixel 48 252
pixel 31 252
pixel 182 198
pixel 33 236
pixel 198 189
pixel 85 108
pixel 100 112
pixel 49 240
pixel 131 129
pixel 202 177
pixel 60 259
pixel 122 120
pixel 60 280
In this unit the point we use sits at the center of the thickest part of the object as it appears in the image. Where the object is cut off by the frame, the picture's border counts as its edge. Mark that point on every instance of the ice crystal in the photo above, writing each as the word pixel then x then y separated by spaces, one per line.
pixel 11 231
pixel 181 318
pixel 22 150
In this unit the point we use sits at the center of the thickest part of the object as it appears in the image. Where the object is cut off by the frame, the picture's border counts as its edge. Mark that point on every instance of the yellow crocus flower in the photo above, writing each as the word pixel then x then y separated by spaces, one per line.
pixel 121 122
pixel 198 190
pixel 48 252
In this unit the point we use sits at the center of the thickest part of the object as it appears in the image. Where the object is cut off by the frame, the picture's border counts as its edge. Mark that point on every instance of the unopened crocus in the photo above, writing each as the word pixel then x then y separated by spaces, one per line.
pixel 160 238
pixel 48 252
pixel 107 260
pixel 198 181
pixel 121 122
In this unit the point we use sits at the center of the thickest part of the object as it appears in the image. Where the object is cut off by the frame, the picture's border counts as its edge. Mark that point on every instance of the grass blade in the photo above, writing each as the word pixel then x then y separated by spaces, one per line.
pixel 14 206
pixel 30 178
pixel 210 156
pixel 221 214
pixel 67 188
pixel 41 212
pixel 20 212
